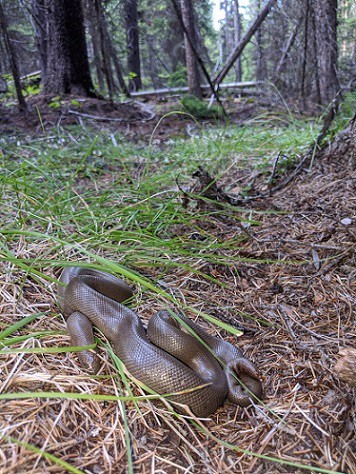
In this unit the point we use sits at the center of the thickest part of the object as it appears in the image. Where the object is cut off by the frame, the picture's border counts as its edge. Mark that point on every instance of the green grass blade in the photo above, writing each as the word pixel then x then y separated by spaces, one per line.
pixel 36 335
pixel 47 350
pixel 50 457
pixel 19 324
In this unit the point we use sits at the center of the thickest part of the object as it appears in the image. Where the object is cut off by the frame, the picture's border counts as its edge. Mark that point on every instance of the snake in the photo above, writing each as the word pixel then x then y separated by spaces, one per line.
pixel 173 356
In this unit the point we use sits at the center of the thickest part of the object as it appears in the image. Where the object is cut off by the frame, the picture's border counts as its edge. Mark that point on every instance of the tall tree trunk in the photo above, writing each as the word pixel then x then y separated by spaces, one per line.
pixel 286 50
pixel 68 65
pixel 305 55
pixel 95 42
pixel 173 43
pixel 3 58
pixel 227 30
pixel 198 59
pixel 237 38
pixel 104 50
pixel 13 60
pixel 191 62
pixel 133 47
pixel 105 55
pixel 315 58
pixel 326 33
pixel 39 15
pixel 116 62
pixel 152 60
pixel 259 55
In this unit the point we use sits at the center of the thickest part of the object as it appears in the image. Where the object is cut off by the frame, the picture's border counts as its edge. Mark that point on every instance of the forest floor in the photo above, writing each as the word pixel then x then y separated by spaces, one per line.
pixel 281 268
pixel 136 119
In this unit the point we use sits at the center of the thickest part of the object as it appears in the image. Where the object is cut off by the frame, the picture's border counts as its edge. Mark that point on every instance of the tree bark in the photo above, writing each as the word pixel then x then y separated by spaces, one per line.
pixel 95 42
pixel 326 33
pixel 305 54
pixel 133 47
pixel 173 42
pixel 315 59
pixel 229 45
pixel 246 38
pixel 104 51
pixel 117 64
pixel 152 59
pixel 345 368
pixel 191 62
pixel 237 38
pixel 105 56
pixel 13 60
pixel 68 65
pixel 287 48
pixel 39 15
pixel 259 54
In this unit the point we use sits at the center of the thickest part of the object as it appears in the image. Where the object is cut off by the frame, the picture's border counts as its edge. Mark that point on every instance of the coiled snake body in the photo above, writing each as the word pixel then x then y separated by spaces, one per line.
pixel 165 357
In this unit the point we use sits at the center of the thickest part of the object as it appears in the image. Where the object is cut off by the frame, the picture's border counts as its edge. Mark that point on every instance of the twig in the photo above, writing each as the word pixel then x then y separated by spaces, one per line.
pixel 274 167
pixel 109 119
pixel 335 262
pixel 95 117
pixel 311 421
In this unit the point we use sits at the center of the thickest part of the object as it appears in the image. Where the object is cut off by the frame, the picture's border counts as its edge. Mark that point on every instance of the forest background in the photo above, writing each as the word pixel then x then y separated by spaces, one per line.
pixel 305 49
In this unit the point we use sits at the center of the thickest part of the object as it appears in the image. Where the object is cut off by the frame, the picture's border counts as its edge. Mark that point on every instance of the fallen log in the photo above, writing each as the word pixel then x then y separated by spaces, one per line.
pixel 205 87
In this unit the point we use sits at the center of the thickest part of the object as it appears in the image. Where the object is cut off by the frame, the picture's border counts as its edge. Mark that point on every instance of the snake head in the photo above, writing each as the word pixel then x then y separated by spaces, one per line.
pixel 89 361
pixel 244 384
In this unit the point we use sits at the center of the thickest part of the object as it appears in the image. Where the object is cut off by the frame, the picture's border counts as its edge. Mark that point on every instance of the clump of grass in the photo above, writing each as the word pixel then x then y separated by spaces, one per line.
pixel 199 108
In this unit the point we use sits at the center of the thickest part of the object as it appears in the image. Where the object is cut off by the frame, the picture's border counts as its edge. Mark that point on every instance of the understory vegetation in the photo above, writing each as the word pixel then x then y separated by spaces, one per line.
pixel 123 198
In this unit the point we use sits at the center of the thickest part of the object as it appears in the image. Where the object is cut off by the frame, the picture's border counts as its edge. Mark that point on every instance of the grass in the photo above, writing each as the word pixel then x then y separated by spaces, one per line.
pixel 56 187
pixel 75 196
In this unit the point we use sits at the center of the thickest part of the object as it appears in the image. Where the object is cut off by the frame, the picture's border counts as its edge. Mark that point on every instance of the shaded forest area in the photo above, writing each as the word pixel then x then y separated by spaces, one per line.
pixel 301 52
pixel 212 165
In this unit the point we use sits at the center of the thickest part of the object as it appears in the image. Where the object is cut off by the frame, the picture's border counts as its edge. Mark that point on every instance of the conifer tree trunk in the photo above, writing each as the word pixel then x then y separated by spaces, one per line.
pixel 103 46
pixel 94 34
pixel 13 60
pixel 191 62
pixel 68 65
pixel 326 35
pixel 133 47
pixel 237 38
pixel 173 43
pixel 261 72
pixel 41 34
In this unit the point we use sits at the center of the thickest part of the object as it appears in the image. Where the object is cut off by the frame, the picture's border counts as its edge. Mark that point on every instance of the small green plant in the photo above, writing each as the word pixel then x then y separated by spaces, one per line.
pixel 198 108
pixel 132 75
pixel 31 85
pixel 31 90
pixel 55 102
pixel 75 102
pixel 9 93
pixel 178 78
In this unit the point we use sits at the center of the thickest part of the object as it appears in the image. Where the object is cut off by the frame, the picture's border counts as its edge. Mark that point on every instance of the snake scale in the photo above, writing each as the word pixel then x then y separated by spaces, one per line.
pixel 166 357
